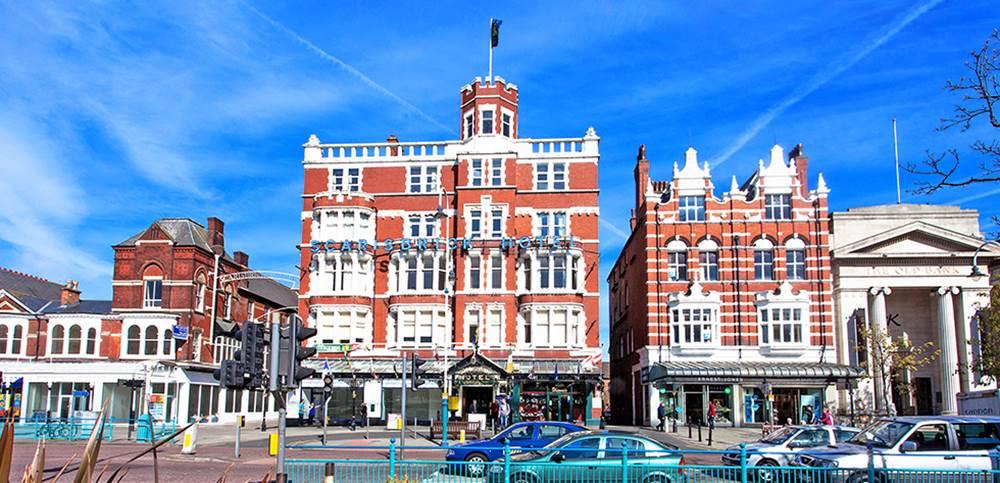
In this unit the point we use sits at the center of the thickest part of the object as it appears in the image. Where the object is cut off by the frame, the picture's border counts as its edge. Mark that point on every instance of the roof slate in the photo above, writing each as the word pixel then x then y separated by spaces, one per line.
pixel 22 285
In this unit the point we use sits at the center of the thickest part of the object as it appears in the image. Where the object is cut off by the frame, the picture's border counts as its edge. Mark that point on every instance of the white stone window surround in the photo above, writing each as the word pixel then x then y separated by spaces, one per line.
pixel 162 325
pixel 428 177
pixel 487 219
pixel 150 285
pixel 796 264
pixel 422 225
pixel 342 324
pixel 510 125
pixel 531 261
pixel 84 323
pixel 410 325
pixel 491 319
pixel 343 273
pixel 763 254
pixel 708 246
pixel 473 324
pixel 341 223
pixel 483 108
pixel 677 260
pixel 547 223
pixel 551 326
pixel 551 176
pixel 468 126
pixel 793 320
pixel 485 172
pixel 346 178
pixel 401 270
pixel 15 326
pixel 688 322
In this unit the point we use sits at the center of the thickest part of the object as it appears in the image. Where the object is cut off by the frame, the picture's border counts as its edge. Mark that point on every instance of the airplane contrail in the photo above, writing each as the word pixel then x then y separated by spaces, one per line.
pixel 821 78
pixel 344 65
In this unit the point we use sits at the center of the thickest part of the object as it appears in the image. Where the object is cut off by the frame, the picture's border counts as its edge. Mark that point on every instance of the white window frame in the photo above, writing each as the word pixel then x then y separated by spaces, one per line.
pixel 470 123
pixel 477 172
pixel 788 326
pixel 483 128
pixel 485 217
pixel 553 224
pixel 332 321
pixel 200 290
pixel 544 270
pixel 473 324
pixel 795 260
pixel 549 178
pixel 677 261
pixel 161 327
pixel 778 207
pixel 148 302
pixel 474 272
pixel 496 267
pixel 426 225
pixel 13 324
pixel 506 123
pixel 540 321
pixel 435 323
pixel 85 325
pixel 691 208
pixel 496 172
pixel 494 327
pixel 688 321
pixel 427 179
pixel 400 270
pixel 343 273
pixel 340 224
pixel 346 179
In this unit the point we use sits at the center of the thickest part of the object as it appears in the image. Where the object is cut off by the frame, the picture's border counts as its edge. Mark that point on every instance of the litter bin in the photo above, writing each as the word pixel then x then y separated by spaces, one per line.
pixel 143 428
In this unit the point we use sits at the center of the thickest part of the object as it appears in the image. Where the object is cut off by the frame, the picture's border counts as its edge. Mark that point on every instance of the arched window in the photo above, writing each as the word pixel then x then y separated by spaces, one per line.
pixel 150 341
pixel 4 331
pixel 15 343
pixel 763 260
pixel 152 293
pixel 200 287
pixel 677 260
pixel 74 339
pixel 708 260
pixel 58 332
pixel 91 341
pixel 168 337
pixel 132 348
pixel 795 259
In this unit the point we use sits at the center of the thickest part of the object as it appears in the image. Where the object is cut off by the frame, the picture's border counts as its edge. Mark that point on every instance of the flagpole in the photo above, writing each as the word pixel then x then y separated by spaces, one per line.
pixel 895 148
pixel 490 78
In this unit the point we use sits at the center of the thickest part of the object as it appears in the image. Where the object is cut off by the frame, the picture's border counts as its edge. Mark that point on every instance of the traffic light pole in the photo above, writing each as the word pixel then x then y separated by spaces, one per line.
pixel 279 471
pixel 402 427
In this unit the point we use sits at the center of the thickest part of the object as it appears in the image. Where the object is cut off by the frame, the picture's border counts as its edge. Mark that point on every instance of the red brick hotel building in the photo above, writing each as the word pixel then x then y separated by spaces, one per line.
pixel 725 298
pixel 478 254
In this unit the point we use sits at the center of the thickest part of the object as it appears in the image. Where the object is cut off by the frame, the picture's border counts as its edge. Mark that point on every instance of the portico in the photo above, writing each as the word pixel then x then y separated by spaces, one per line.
pixel 904 269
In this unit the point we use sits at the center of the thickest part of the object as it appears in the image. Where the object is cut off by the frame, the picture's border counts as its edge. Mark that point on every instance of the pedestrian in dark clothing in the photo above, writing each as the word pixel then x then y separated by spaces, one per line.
pixel 661 414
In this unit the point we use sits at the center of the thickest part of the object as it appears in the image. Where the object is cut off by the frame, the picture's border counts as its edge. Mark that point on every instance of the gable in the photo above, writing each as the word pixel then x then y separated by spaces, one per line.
pixel 9 303
pixel 155 233
pixel 916 238
pixel 916 243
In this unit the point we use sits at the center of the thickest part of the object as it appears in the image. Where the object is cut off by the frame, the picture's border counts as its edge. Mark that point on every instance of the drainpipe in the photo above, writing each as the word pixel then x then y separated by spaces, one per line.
pixel 38 326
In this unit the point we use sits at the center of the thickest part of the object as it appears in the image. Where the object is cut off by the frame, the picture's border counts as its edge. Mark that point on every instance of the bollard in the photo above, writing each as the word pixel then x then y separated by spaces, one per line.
pixel 690 434
pixel 328 471
pixel 272 444
pixel 392 457
pixel 699 431
pixel 461 436
pixel 710 427
pixel 624 465
pixel 743 463
pixel 190 440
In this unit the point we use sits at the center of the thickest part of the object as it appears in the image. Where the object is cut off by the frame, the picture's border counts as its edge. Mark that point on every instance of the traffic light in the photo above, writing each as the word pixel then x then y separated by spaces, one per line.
pixel 327 383
pixel 292 353
pixel 418 371
pixel 230 375
pixel 251 353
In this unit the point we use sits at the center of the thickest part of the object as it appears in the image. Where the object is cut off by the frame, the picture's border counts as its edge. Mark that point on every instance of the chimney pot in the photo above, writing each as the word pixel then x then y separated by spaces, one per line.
pixel 70 293
pixel 242 258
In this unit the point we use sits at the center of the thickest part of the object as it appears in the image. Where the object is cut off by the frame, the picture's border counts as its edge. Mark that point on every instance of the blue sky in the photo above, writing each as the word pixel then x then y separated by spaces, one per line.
pixel 115 114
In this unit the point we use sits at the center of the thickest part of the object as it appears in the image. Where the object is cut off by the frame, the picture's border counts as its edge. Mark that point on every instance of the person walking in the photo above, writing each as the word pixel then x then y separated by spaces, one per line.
pixel 302 411
pixel 661 414
pixel 827 418
pixel 312 413
pixel 711 414
pixel 504 413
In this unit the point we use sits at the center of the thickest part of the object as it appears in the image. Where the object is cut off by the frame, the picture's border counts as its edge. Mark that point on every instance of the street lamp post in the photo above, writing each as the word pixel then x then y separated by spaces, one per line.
pixel 441 214
pixel 976 272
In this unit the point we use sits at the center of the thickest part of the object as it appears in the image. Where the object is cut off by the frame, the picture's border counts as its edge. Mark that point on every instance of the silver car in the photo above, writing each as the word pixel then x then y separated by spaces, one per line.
pixel 942 443
pixel 780 447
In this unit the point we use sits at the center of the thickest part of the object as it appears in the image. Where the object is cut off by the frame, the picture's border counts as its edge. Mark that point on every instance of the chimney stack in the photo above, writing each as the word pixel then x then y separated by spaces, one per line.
pixel 241 258
pixel 798 155
pixel 216 233
pixel 641 176
pixel 70 293
pixel 393 150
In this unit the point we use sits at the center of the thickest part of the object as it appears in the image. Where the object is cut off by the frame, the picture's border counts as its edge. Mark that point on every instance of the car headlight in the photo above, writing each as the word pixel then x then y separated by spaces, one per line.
pixel 451 452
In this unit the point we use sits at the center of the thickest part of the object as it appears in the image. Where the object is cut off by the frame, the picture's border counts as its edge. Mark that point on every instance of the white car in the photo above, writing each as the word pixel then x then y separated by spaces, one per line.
pixel 779 448
pixel 939 443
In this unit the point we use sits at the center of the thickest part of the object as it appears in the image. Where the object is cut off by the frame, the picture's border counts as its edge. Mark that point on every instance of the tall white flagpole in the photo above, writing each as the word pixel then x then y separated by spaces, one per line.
pixel 895 147
pixel 490 38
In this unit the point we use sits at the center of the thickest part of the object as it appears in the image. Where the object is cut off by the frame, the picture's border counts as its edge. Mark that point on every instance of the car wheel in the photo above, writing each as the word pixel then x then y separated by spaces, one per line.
pixel 475 464
pixel 765 470
pixel 657 479
pixel 863 478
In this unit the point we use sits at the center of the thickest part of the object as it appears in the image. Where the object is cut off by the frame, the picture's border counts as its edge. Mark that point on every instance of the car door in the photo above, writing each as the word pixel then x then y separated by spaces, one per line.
pixel 932 441
pixel 975 441
pixel 612 456
pixel 579 462
pixel 806 440
pixel 521 436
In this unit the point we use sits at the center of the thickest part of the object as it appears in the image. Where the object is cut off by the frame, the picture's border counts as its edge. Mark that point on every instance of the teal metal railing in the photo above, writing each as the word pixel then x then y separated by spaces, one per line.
pixel 73 429
pixel 639 466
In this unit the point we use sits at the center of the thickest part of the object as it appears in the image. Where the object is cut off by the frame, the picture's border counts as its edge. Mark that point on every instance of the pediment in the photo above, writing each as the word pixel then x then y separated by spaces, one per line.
pixel 155 233
pixel 917 238
pixel 9 303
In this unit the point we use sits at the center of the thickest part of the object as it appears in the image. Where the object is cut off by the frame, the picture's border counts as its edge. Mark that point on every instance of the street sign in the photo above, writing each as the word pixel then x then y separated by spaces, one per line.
pixel 81 393
pixel 180 332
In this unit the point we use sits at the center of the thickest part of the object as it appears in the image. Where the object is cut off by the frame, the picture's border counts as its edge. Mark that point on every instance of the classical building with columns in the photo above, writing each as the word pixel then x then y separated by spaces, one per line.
pixel 907 269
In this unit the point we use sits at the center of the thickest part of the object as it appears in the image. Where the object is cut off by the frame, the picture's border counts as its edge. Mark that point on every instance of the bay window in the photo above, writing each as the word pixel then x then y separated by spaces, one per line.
pixel 420 326
pixel 552 326
pixel 418 272
pixel 694 325
pixel 344 325
pixel 552 224
pixel 11 338
pixel 346 273
pixel 782 325
pixel 555 270
pixel 345 224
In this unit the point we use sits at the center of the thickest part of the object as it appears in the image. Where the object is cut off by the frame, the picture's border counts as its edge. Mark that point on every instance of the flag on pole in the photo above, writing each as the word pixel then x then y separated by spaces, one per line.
pixel 495 31
pixel 593 361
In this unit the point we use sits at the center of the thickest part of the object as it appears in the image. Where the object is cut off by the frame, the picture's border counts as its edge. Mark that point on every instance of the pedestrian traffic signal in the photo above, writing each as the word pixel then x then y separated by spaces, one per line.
pixel 418 371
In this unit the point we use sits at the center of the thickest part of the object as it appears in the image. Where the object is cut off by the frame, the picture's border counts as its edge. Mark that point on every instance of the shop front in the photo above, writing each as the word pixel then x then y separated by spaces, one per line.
pixel 747 393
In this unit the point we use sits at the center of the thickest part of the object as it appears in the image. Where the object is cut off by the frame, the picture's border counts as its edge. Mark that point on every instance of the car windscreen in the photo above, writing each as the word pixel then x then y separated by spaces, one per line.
pixel 780 436
pixel 547 450
pixel 882 434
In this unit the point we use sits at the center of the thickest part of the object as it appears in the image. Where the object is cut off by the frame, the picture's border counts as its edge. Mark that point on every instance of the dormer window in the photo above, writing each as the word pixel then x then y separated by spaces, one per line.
pixel 692 208
pixel 778 207
pixel 488 122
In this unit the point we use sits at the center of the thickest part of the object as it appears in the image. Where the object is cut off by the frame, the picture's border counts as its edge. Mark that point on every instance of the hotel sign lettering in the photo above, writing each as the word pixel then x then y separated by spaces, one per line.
pixel 424 244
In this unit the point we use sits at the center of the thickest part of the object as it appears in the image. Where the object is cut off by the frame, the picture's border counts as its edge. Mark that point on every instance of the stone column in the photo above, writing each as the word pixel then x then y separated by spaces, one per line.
pixel 880 375
pixel 949 355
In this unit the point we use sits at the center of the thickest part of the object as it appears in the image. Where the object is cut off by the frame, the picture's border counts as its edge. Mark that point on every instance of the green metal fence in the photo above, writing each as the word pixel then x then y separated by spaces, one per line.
pixel 628 469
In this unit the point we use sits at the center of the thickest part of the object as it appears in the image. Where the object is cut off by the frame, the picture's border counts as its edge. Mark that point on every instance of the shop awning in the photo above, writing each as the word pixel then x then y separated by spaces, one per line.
pixel 199 377
pixel 738 371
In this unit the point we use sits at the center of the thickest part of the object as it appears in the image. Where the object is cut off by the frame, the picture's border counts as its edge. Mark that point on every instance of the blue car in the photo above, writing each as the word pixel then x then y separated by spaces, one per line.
pixel 525 435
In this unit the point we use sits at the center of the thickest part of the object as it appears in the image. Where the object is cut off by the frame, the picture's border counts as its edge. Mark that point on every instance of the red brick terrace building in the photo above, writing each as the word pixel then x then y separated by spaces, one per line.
pixel 479 254
pixel 724 298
